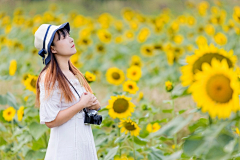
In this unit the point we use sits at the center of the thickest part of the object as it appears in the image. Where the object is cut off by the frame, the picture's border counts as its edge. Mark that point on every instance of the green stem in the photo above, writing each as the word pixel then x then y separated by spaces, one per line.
pixel 126 147
pixel 134 155
pixel 210 120
pixel 120 144
pixel 173 115
pixel 12 126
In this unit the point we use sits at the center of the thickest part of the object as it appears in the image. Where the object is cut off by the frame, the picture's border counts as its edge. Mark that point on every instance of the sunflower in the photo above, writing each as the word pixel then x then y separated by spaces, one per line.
pixel 209 29
pixel 220 38
pixel 118 39
pixel 100 48
pixel 12 67
pixel 216 89
pixel 147 50
pixel 120 106
pixel 129 126
pixel 144 33
pixel 204 54
pixel 84 41
pixel 136 60
pixel 115 76
pixel 130 86
pixel 153 127
pixel 75 60
pixel 158 47
pixel 168 86
pixel 123 157
pixel 20 113
pixel 104 35
pixel 201 40
pixel 30 83
pixel 140 96
pixel 236 14
pixel 134 73
pixel 178 39
pixel 25 77
pixel 90 77
pixel 129 34
pixel 9 113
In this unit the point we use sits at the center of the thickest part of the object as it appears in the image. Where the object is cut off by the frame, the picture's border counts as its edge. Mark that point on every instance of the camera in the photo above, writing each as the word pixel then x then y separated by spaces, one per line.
pixel 91 117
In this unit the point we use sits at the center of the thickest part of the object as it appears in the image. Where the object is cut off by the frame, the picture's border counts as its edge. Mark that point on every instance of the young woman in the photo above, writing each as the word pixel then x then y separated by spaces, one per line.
pixel 61 109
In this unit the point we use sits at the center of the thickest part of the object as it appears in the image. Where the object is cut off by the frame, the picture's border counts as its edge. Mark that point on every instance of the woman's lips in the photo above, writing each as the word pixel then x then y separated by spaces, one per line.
pixel 73 46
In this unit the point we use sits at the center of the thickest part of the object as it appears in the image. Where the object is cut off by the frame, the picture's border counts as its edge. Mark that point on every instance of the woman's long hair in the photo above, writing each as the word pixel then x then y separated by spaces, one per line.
pixel 53 74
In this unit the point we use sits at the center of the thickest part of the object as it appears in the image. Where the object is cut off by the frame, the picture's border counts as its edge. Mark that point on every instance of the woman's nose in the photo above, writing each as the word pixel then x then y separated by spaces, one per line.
pixel 71 39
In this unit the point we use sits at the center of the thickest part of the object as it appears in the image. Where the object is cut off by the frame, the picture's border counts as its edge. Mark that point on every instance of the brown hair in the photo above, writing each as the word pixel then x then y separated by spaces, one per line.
pixel 53 74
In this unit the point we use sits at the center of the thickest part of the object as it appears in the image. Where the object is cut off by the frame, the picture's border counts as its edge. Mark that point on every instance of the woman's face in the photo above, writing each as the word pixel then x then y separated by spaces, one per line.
pixel 63 44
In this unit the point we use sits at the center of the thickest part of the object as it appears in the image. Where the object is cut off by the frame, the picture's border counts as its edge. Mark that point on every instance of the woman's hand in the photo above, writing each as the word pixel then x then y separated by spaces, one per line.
pixel 88 100
pixel 96 104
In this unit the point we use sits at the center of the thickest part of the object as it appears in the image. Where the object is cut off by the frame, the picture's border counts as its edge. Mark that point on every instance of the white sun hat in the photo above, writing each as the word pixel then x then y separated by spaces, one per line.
pixel 44 37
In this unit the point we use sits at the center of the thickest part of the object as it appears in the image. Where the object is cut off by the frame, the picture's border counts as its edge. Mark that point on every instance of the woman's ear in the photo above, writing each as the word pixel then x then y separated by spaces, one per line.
pixel 53 50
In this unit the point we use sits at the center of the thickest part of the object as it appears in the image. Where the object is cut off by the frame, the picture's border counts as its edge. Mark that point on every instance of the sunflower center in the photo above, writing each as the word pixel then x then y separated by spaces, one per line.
pixel 130 86
pixel 148 50
pixel 120 105
pixel 106 36
pixel 115 75
pixel 208 58
pixel 136 63
pixel 134 73
pixel 85 41
pixel 9 113
pixel 129 126
pixel 33 83
pixel 219 89
pixel 100 48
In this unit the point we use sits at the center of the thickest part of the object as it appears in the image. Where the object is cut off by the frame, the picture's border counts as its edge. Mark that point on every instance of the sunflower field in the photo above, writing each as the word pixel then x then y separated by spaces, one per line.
pixel 168 83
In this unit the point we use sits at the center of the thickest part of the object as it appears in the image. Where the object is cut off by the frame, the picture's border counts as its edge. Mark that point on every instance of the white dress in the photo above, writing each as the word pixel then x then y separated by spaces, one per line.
pixel 72 140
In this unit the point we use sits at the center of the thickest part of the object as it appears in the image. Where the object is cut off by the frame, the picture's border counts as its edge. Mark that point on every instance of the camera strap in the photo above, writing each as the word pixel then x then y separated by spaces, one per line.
pixel 75 91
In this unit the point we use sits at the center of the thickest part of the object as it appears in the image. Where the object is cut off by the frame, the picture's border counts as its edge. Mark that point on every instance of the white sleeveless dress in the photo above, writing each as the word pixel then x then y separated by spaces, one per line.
pixel 72 140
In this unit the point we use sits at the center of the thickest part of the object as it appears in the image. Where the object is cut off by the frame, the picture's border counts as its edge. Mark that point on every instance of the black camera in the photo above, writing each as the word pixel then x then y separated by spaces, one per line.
pixel 91 117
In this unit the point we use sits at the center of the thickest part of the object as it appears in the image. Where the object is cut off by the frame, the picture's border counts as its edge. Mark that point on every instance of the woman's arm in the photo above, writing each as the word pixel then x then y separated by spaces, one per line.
pixel 66 114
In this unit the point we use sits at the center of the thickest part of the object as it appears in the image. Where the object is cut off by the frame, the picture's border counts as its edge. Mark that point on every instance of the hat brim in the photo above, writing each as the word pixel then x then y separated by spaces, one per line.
pixel 66 26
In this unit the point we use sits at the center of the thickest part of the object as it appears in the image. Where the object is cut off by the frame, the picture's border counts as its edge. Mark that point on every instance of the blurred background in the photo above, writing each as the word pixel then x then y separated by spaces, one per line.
pixel 134 48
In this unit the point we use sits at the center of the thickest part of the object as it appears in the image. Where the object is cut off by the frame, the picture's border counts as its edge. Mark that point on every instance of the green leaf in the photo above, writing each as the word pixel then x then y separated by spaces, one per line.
pixel 33 155
pixel 181 111
pixel 2 141
pixel 155 154
pixel 37 130
pixel 175 155
pixel 165 138
pixel 39 144
pixel 173 126
pixel 202 122
pixel 101 140
pixel 8 99
pixel 23 139
pixel 2 127
pixel 120 139
pixel 190 145
pixel 112 152
pixel 168 102
pixel 163 120
pixel 167 110
pixel 213 138
pixel 140 141
pixel 178 91
pixel 215 152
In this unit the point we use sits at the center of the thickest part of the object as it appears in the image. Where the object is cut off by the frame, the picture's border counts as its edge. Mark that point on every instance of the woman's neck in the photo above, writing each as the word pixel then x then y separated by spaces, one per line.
pixel 63 64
